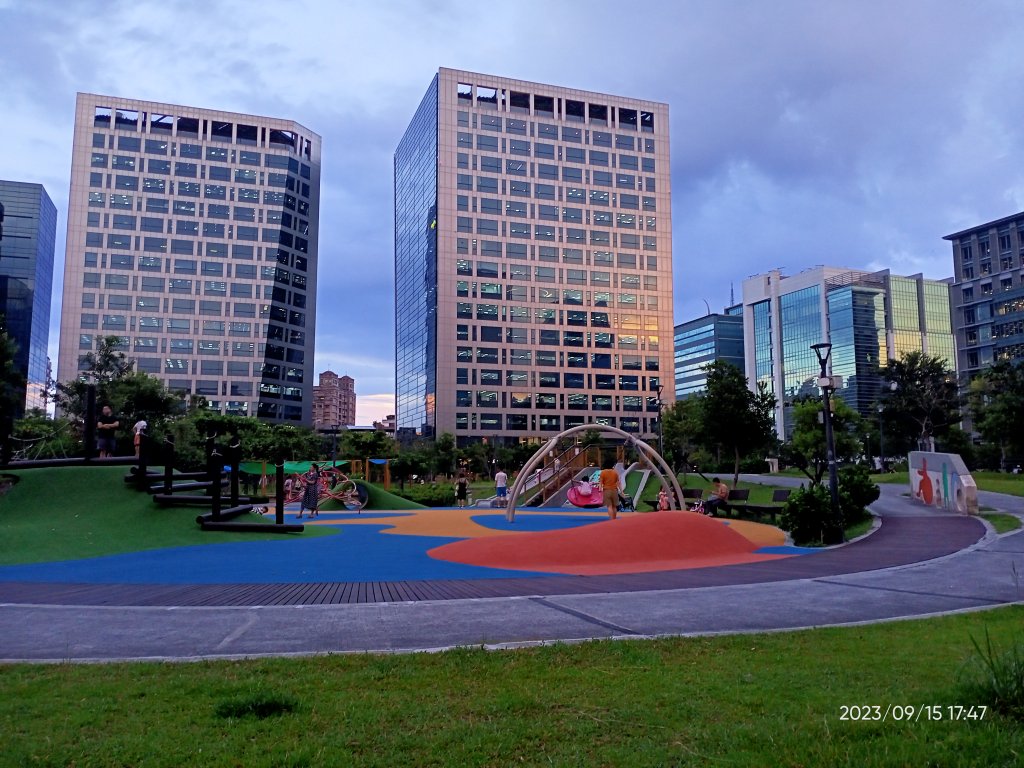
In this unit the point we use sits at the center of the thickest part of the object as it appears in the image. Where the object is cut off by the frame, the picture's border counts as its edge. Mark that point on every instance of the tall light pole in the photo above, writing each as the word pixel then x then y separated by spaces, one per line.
pixel 823 351
pixel 881 438
pixel 661 433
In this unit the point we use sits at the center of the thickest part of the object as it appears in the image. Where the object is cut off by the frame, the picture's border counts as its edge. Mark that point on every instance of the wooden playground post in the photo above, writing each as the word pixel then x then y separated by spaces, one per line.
pixel 234 451
pixel 89 433
pixel 214 462
pixel 279 492
pixel 168 462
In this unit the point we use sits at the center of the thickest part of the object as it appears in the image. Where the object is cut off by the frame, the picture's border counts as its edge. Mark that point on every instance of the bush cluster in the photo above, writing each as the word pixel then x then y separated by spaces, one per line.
pixel 429 495
pixel 807 514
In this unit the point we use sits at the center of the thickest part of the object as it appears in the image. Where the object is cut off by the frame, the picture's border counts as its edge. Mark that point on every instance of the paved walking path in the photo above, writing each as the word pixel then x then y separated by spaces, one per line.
pixel 917 563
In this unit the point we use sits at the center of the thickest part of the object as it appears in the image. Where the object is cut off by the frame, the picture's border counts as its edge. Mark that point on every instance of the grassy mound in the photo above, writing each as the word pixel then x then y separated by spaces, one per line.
pixel 378 499
pixel 68 513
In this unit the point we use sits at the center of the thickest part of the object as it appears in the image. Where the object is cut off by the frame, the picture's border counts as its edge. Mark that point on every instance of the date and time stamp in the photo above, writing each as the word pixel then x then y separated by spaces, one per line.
pixel 912 713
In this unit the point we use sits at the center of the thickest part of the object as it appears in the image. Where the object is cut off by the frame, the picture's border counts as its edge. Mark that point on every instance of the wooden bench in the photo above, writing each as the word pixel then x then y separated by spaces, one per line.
pixel 779 498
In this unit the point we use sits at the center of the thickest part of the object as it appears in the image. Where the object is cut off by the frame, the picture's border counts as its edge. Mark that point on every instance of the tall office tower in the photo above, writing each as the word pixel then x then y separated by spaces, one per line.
pixel 533 261
pixel 987 296
pixel 192 235
pixel 702 341
pixel 334 401
pixel 869 318
pixel 28 231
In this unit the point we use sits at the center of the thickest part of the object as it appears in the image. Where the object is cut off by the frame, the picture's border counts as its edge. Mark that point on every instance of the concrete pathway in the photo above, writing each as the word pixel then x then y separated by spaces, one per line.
pixel 984 575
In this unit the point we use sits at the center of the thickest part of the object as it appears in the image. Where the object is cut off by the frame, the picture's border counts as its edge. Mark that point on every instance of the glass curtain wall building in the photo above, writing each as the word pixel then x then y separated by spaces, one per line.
pixel 28 231
pixel 869 318
pixel 192 236
pixel 987 295
pixel 703 341
pixel 533 261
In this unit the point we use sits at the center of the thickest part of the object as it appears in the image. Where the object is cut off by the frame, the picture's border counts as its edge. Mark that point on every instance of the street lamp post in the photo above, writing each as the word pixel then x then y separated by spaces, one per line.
pixel 334 445
pixel 823 351
pixel 661 432
pixel 881 438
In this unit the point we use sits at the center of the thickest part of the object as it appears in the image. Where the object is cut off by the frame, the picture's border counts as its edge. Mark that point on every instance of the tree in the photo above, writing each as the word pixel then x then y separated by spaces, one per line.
pixel 36 436
pixel 996 402
pixel 681 431
pixel 734 417
pixel 444 454
pixel 806 447
pixel 924 404
pixel 102 367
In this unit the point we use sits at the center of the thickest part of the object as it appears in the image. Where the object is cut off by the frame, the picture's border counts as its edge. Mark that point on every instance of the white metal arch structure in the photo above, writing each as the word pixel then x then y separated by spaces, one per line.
pixel 665 473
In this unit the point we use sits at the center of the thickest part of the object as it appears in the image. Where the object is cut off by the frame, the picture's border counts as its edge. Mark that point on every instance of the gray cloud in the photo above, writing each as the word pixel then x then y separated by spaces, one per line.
pixel 803 132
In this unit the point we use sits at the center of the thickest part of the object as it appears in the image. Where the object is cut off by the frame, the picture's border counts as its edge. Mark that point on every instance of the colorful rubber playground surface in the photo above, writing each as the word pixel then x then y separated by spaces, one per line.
pixel 431 544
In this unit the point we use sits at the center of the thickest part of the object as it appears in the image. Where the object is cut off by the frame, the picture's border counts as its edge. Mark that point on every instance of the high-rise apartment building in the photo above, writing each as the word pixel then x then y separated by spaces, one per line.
pixel 28 231
pixel 533 261
pixel 192 235
pixel 334 401
pixel 702 341
pixel 987 295
pixel 869 318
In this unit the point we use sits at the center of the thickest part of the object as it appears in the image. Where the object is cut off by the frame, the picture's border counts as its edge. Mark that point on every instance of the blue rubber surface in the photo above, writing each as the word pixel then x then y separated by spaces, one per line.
pixel 536 522
pixel 357 553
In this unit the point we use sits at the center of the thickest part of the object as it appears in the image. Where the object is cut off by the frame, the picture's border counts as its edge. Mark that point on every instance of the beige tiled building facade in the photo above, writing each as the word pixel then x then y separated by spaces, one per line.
pixel 192 235
pixel 334 401
pixel 533 259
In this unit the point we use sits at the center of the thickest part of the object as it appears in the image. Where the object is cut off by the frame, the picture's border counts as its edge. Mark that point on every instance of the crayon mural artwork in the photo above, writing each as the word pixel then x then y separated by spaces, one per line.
pixel 943 480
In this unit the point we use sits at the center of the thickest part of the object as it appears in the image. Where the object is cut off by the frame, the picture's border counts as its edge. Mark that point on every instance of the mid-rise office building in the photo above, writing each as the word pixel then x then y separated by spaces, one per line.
pixel 987 295
pixel 28 231
pixel 533 260
pixel 868 317
pixel 192 236
pixel 334 401
pixel 703 341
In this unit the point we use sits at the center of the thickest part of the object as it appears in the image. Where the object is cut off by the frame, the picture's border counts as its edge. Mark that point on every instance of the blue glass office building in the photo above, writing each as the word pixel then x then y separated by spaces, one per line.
pixel 703 341
pixel 533 261
pixel 26 277
pixel 869 318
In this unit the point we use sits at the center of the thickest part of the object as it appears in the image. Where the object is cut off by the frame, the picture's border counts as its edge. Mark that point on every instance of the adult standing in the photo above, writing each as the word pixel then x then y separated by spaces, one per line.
pixel 139 429
pixel 501 487
pixel 461 489
pixel 311 492
pixel 609 480
pixel 106 427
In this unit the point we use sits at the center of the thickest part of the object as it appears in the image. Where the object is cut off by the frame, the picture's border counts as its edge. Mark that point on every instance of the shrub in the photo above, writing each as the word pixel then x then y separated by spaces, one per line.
pixel 432 495
pixel 856 491
pixel 807 515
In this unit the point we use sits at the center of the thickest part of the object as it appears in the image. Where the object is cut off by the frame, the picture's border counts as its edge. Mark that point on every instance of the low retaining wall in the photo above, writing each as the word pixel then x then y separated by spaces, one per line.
pixel 942 480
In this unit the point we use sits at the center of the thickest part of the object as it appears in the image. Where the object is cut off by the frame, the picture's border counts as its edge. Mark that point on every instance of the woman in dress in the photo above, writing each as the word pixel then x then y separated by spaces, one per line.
pixel 311 492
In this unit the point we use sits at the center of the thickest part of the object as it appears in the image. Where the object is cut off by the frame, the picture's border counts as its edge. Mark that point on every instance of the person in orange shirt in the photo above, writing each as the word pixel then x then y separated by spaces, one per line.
pixel 609 480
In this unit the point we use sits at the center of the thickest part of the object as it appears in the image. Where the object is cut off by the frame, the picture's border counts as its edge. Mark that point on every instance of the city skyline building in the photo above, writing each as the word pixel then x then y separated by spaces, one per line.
pixel 868 317
pixel 701 341
pixel 987 294
pixel 533 261
pixel 334 401
pixel 193 236
pixel 28 233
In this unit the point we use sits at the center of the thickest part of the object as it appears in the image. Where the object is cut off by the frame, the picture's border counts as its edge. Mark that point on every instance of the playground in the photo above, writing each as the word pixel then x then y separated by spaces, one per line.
pixel 154 544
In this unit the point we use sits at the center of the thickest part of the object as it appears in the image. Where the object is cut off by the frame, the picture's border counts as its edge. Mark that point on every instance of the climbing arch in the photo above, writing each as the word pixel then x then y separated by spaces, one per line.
pixel 652 457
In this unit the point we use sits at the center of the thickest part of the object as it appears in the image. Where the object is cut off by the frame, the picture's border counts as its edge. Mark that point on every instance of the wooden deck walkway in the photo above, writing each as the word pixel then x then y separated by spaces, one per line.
pixel 899 541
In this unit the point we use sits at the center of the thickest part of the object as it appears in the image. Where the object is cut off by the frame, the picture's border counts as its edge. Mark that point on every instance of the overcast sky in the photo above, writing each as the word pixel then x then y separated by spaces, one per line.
pixel 850 133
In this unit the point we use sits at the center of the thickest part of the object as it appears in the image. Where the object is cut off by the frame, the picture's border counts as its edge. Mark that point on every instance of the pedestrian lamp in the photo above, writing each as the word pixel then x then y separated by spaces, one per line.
pixel 661 432
pixel 823 351
pixel 881 438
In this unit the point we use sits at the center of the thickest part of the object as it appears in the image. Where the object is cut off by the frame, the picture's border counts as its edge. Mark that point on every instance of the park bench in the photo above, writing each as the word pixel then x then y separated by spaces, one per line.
pixel 779 499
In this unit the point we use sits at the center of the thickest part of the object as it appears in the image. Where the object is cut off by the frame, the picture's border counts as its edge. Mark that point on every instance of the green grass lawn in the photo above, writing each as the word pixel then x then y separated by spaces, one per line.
pixel 748 700
pixel 68 513
pixel 997 482
pixel 1002 523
